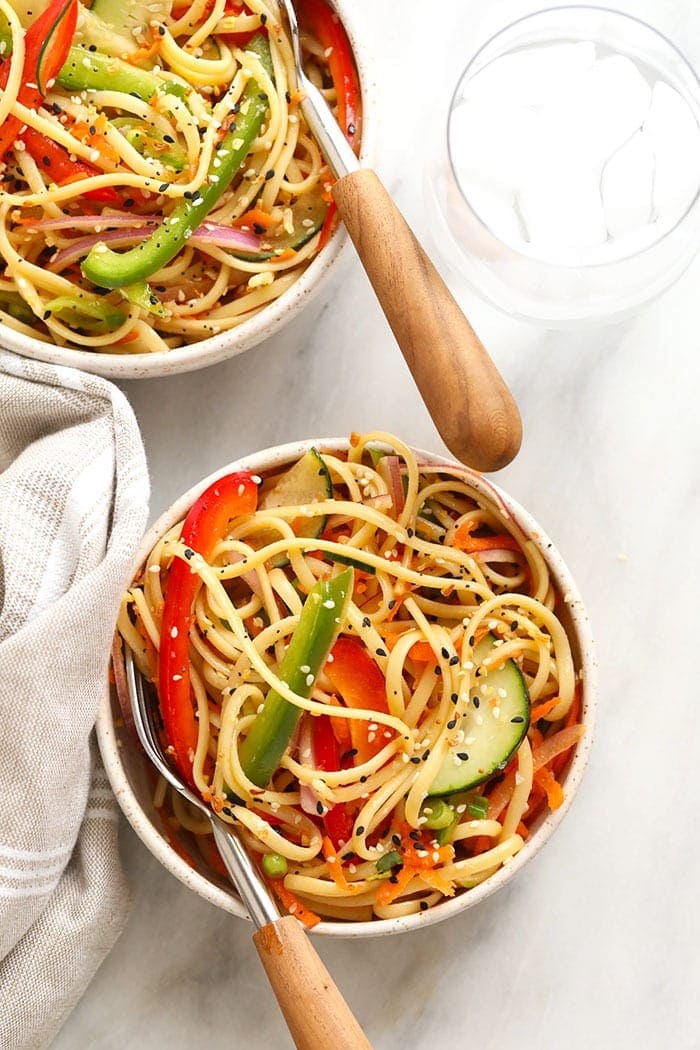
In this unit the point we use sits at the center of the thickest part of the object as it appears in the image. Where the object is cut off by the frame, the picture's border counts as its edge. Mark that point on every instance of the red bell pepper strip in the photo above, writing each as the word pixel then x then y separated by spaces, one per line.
pixel 46 46
pixel 204 527
pixel 316 17
pixel 356 677
pixel 327 756
pixel 56 162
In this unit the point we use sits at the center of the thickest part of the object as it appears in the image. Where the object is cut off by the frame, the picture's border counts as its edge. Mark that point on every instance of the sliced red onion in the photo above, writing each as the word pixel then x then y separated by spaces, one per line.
pixel 429 467
pixel 397 494
pixel 250 577
pixel 211 233
pixel 80 247
pixel 89 222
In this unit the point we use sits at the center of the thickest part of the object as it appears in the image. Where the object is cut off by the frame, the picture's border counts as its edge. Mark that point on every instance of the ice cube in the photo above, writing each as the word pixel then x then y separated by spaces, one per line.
pixel 491 142
pixel 627 186
pixel 604 107
pixel 674 135
pixel 562 209
pixel 496 209
pixel 531 76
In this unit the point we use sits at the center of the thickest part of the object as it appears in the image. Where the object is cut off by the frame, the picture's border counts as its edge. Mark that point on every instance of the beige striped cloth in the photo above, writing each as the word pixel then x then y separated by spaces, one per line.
pixel 73 505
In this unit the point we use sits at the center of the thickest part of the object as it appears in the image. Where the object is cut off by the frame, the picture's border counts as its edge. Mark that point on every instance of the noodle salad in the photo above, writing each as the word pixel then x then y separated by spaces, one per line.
pixel 359 663
pixel 159 184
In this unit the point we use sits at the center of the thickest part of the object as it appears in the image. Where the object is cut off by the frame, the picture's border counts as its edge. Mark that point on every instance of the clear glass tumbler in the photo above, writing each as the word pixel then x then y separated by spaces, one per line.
pixel 566 188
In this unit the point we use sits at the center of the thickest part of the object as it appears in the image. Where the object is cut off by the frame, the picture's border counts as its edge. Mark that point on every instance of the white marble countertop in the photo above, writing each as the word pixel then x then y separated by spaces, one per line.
pixel 596 942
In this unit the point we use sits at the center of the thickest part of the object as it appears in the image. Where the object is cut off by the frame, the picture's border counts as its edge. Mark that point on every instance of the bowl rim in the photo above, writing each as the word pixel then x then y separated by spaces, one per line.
pixel 161 849
pixel 191 357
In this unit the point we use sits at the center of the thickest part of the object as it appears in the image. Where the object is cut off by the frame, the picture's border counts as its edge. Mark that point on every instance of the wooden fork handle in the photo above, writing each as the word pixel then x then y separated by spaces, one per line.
pixel 470 404
pixel 316 1013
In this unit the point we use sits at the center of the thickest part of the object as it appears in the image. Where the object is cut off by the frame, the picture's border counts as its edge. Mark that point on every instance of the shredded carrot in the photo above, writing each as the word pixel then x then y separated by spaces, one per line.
pixel 128 338
pixel 398 602
pixel 546 779
pixel 335 868
pixel 390 890
pixel 573 718
pixel 422 653
pixel 328 226
pixel 554 745
pixel 464 540
pixel 523 831
pixel 293 905
pixel 543 709
pixel 256 217
pixel 286 255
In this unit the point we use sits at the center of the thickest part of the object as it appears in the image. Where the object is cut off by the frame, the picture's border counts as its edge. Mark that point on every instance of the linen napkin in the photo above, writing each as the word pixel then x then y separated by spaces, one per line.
pixel 73 505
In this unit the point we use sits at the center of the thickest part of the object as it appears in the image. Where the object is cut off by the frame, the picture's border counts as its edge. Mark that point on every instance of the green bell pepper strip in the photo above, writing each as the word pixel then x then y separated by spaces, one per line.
pixel 110 269
pixel 86 311
pixel 102 73
pixel 205 525
pixel 321 620
pixel 86 70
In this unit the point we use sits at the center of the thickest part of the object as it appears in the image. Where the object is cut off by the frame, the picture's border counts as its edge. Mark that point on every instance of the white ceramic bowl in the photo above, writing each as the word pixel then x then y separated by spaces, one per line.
pixel 272 317
pixel 127 766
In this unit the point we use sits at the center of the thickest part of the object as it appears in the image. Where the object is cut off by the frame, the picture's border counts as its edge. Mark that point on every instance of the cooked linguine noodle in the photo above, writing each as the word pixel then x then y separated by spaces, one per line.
pixel 441 575
pixel 134 137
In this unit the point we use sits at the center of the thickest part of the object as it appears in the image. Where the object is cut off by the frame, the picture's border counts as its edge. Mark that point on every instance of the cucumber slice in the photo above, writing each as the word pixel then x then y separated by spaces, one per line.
pixel 308 481
pixel 489 742
pixel 308 216
pixel 355 563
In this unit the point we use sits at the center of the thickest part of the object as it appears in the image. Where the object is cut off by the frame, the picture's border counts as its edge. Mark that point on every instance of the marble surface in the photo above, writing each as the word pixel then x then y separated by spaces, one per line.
pixel 596 942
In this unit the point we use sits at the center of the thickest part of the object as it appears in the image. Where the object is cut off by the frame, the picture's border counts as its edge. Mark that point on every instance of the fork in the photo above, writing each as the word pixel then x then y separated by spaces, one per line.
pixel 316 1013
pixel 467 398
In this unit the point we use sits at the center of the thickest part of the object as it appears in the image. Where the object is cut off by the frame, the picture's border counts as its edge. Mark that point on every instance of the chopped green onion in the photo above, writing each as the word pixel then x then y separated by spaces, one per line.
pixel 274 865
pixel 437 813
pixel 388 861
pixel 225 623
pixel 444 836
pixel 478 806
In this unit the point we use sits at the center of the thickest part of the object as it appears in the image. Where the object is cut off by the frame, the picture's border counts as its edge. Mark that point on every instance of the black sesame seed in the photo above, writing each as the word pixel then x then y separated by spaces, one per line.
pixel 269 174
pixel 396 839
pixel 476 701
pixel 360 830
pixel 392 603
pixel 452 723
pixel 445 652
pixel 380 652
pixel 189 553
pixel 320 808
pixel 518 718
pixel 454 660
pixel 366 622
pixel 514 625
pixel 415 760
pixel 463 755
pixel 472 639
pixel 424 905
pixel 415 835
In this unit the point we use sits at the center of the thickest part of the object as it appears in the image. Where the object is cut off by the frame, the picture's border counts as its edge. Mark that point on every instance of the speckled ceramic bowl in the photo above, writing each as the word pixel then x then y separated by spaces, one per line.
pixel 272 317
pixel 128 771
